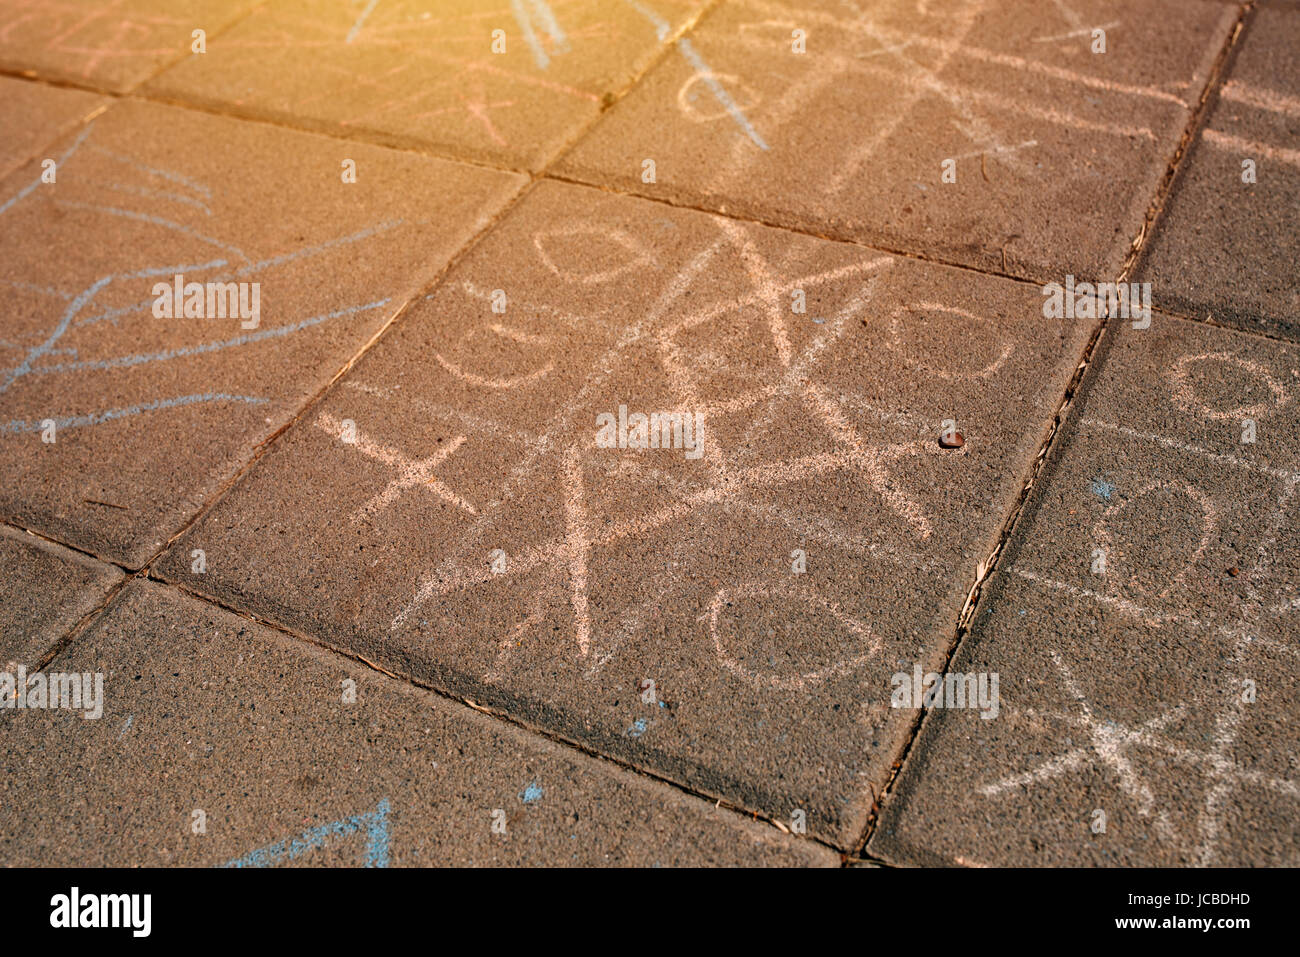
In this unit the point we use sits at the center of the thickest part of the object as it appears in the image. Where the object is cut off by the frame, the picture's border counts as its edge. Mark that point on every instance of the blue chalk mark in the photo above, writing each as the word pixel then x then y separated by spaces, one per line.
pixel 156 221
pixel 97 418
pixel 35 353
pixel 638 728
pixel 1101 488
pixel 373 823
pixel 328 244
pixel 168 270
pixel 543 13
pixel 722 96
pixel 248 270
pixel 31 287
pixel 356 27
pixel 58 164
pixel 703 71
pixel 119 362
pixel 160 194
pixel 531 794
pixel 142 274
pixel 660 24
pixel 155 171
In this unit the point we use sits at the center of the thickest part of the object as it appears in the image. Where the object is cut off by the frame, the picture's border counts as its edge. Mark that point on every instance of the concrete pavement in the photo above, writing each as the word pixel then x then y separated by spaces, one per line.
pixel 644 433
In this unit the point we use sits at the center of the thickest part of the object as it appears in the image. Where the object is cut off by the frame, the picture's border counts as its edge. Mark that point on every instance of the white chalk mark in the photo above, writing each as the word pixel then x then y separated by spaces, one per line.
pixel 1083 32
pixel 860 634
pixel 706 74
pixel 1109 742
pixel 577 545
pixel 485 383
pixel 1184 397
pixel 58 164
pixel 1198 450
pixel 356 27
pixel 411 473
pixel 1260 98
pixel 546 21
pixel 1245 147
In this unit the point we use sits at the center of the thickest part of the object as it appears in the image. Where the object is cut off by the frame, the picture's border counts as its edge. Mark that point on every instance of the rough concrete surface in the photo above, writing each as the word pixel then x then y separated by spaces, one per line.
pixel 111 46
pixel 45 590
pixel 152 414
pixel 1144 634
pixel 1055 149
pixel 35 116
pixel 223 743
pixel 637 400
pixel 469 431
pixel 504 83
pixel 1229 245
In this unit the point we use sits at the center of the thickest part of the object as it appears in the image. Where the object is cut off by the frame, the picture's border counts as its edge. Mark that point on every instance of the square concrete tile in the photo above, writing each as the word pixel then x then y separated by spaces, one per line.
pixel 1144 631
pixel 223 742
pixel 34 115
pixel 449 509
pixel 150 416
pixel 1056 150
pixel 1224 247
pixel 45 591
pixel 407 74
pixel 112 45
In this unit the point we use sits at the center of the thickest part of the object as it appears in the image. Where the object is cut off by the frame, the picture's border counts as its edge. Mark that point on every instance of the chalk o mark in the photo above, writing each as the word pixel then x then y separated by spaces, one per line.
pixel 896 339
pixel 1209 522
pixel 602 236
pixel 1185 397
pixel 789 595
pixel 486 383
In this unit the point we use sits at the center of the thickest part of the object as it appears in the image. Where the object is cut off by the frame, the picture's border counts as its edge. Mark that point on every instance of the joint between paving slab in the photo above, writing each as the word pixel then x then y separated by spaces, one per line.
pixel 369 137
pixel 143 570
pixel 1209 320
pixel 504 717
pixel 62 644
pixel 366 137
pixel 965 618
pixel 1073 390
pixel 264 446
pixel 799 231
pixel 17 526
pixel 607 103
pixel 1158 201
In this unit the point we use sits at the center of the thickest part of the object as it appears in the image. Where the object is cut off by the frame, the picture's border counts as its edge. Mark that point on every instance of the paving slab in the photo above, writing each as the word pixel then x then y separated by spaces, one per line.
pixel 45 591
pixel 505 83
pixel 35 115
pixel 458 509
pixel 1228 242
pixel 117 422
pixel 1143 630
pixel 111 46
pixel 223 742
pixel 1056 150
